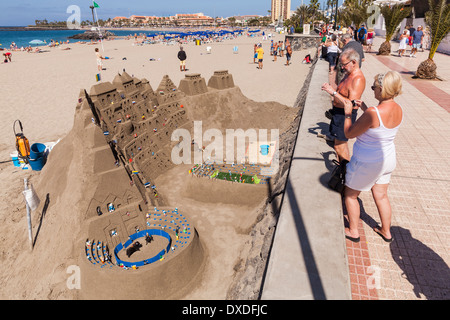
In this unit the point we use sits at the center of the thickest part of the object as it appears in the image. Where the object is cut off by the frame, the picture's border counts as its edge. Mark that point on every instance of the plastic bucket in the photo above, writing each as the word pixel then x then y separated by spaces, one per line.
pixel 37 151
pixel 264 149
pixel 37 164
pixel 15 159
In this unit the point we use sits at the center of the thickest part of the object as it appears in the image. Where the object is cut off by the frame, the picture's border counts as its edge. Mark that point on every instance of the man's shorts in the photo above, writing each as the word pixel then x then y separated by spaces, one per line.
pixel 332 58
pixel 288 57
pixel 182 62
pixel 337 123
pixel 260 60
pixel 416 45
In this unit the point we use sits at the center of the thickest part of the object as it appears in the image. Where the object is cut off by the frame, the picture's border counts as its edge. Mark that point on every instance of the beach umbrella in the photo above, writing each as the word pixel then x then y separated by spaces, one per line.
pixel 36 41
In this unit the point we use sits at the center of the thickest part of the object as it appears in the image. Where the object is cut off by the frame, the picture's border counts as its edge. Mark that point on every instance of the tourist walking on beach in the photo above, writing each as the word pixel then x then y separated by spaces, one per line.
pixel 275 51
pixel 288 52
pixel 350 88
pixel 369 39
pixel 99 59
pixel 403 40
pixel 417 38
pixel 373 159
pixel 260 52
pixel 255 54
pixel 182 57
pixel 362 31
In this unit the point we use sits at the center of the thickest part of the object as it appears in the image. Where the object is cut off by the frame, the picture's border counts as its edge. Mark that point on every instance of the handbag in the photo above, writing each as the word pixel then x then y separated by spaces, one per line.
pixel 337 180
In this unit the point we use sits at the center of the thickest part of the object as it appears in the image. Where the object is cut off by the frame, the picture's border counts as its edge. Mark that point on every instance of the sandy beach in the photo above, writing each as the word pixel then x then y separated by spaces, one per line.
pixel 42 90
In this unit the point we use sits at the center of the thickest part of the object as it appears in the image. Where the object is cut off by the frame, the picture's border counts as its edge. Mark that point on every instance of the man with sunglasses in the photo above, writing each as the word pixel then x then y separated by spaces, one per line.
pixel 351 88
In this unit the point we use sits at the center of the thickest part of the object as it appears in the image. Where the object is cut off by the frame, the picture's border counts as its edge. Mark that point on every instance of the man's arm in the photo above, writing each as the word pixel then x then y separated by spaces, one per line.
pixel 357 88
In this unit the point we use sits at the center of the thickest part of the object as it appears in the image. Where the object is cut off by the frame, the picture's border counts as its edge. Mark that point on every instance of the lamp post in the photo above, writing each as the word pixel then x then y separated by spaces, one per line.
pixel 336 15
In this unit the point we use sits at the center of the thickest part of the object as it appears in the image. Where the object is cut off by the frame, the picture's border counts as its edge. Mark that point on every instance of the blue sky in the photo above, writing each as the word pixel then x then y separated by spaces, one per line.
pixel 25 12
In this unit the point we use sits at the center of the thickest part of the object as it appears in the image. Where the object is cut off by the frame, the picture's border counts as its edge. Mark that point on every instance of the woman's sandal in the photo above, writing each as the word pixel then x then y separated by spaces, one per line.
pixel 378 231
pixel 356 240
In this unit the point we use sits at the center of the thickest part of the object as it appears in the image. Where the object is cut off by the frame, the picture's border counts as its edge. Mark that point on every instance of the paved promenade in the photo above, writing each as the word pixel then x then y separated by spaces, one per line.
pixel 310 257
pixel 416 264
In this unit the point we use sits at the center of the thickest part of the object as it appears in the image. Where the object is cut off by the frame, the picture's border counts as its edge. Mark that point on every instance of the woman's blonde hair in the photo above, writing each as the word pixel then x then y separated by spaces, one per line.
pixel 391 84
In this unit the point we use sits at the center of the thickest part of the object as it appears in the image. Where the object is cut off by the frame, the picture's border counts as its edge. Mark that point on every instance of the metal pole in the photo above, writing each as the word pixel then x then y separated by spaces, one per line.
pixel 30 232
pixel 336 15
pixel 99 32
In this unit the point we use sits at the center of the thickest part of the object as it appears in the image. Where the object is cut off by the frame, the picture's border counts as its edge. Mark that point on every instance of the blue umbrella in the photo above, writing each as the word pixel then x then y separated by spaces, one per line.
pixel 36 41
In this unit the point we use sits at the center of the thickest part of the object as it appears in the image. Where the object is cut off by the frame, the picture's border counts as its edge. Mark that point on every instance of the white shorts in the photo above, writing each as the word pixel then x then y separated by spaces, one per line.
pixel 362 176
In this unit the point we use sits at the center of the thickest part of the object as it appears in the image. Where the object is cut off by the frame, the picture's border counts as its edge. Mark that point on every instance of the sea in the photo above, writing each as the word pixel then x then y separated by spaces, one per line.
pixel 23 37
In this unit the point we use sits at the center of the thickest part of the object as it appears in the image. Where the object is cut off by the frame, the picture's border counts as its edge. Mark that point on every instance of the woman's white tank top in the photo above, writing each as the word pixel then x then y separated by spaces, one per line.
pixel 376 144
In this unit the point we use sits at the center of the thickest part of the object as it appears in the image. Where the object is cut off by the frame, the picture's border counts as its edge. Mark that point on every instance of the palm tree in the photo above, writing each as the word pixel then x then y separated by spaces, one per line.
pixel 355 11
pixel 314 6
pixel 393 16
pixel 438 19
pixel 303 12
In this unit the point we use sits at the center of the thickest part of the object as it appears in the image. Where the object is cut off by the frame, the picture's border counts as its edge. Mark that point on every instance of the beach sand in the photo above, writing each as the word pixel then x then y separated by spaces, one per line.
pixel 42 91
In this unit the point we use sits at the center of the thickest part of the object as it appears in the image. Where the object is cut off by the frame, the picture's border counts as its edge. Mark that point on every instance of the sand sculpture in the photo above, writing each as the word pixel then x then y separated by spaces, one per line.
pixel 118 153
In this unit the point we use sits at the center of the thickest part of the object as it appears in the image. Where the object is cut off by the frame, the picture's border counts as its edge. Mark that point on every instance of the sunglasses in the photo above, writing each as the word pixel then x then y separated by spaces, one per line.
pixel 344 64
pixel 374 87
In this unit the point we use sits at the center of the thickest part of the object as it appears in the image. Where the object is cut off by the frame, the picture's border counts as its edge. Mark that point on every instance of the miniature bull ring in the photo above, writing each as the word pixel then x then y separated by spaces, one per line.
pixel 168 224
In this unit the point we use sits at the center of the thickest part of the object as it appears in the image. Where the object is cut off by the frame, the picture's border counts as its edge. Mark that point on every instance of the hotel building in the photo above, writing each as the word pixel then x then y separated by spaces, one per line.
pixel 281 8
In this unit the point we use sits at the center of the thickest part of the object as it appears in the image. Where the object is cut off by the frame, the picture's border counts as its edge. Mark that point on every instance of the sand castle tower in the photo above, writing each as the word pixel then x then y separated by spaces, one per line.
pixel 221 80
pixel 193 84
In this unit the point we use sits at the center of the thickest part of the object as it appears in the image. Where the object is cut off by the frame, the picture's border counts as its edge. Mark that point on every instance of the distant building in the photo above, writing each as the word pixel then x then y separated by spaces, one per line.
pixel 179 19
pixel 281 8
pixel 242 20
pixel 193 19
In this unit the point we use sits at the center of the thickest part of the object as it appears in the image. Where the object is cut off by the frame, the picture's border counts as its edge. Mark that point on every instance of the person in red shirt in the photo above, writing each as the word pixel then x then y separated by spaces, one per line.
pixel 7 56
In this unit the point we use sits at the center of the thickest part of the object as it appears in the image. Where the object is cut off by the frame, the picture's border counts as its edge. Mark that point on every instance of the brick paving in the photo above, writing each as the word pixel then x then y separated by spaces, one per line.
pixel 415 266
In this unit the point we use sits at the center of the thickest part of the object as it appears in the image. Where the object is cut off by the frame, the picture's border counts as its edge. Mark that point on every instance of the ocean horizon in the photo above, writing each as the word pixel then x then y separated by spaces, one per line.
pixel 22 38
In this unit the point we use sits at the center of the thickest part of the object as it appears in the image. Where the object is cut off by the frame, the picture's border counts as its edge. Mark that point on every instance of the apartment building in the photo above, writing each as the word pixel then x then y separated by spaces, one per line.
pixel 281 8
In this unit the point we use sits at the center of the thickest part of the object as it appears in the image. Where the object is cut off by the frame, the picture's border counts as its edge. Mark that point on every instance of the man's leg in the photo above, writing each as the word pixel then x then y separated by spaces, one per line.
pixel 341 148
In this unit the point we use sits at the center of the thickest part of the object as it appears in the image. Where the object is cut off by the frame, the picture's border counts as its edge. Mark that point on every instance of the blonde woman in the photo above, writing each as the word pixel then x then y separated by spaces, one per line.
pixel 403 40
pixel 374 158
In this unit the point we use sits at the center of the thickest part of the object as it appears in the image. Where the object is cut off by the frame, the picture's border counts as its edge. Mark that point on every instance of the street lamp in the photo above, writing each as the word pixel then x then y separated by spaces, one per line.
pixel 335 15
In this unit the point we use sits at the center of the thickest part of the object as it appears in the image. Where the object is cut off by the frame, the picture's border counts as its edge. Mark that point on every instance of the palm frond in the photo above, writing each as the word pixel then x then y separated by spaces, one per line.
pixel 393 16
pixel 438 19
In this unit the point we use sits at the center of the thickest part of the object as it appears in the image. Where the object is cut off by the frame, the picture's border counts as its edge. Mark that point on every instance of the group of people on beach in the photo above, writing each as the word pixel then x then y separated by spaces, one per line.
pixel 374 157
pixel 277 49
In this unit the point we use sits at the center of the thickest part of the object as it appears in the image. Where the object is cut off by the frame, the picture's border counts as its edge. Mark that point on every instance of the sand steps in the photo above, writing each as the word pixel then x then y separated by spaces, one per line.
pixel 98 253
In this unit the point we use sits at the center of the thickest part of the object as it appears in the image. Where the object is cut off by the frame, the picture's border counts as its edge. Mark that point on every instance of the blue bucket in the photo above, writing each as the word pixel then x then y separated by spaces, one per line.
pixel 37 151
pixel 264 149
pixel 37 164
